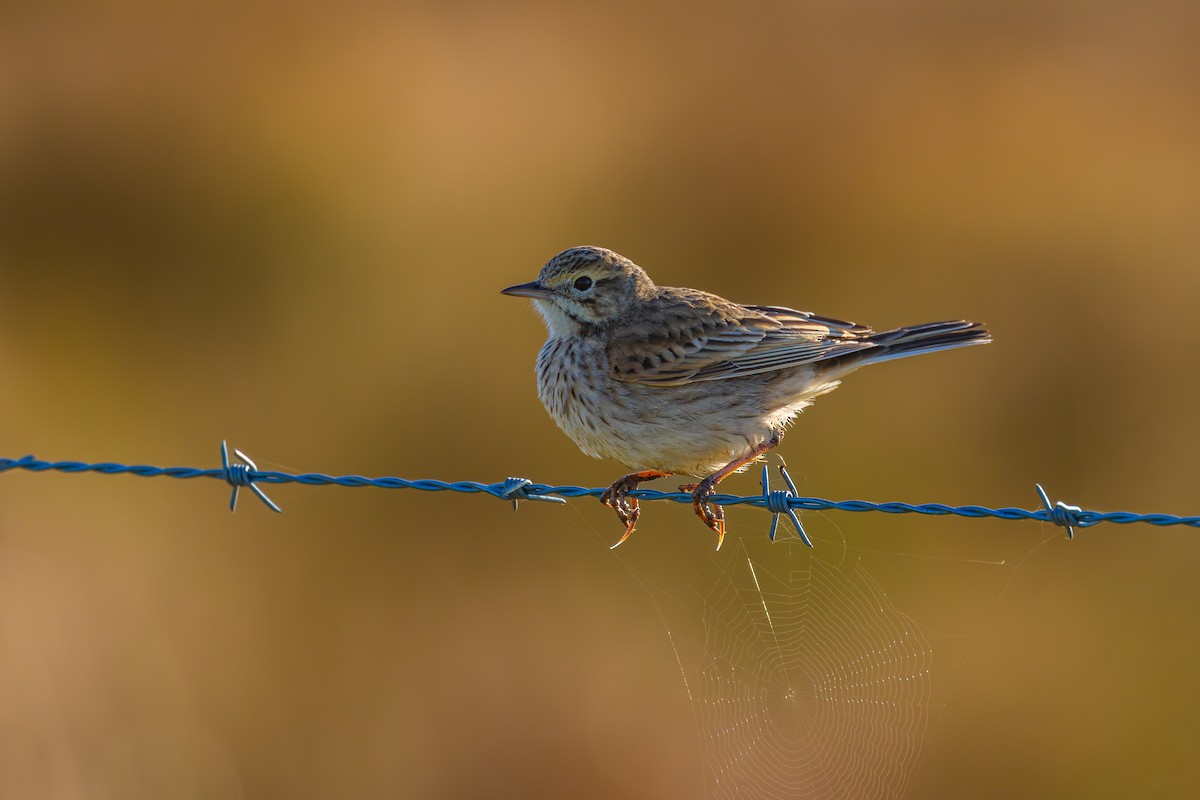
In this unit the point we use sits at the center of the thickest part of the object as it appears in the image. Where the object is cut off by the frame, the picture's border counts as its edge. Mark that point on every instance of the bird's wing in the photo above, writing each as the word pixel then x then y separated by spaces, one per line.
pixel 692 336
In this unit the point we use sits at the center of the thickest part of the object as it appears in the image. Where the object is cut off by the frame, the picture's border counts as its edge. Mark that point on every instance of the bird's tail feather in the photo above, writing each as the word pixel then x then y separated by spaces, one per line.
pixel 928 338
pixel 913 340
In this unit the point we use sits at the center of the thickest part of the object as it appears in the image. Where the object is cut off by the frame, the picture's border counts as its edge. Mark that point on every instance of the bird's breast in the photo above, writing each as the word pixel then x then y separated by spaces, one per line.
pixel 573 383
pixel 688 430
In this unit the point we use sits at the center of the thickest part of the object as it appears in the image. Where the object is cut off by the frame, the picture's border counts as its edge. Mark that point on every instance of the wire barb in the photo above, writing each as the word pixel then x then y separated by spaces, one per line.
pixel 1061 514
pixel 515 489
pixel 244 474
pixel 780 502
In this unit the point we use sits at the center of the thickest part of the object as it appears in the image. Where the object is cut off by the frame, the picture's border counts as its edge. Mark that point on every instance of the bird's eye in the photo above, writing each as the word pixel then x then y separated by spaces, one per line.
pixel 583 283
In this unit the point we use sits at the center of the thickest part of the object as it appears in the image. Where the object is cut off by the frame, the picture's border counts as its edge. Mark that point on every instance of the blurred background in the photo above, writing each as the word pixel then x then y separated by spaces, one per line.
pixel 287 225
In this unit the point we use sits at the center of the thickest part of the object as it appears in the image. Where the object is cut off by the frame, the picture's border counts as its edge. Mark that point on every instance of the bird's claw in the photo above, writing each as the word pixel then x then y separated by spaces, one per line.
pixel 710 514
pixel 617 498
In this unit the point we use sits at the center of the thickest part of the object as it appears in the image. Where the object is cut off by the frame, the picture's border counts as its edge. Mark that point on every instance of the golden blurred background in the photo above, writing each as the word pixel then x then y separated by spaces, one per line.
pixel 286 224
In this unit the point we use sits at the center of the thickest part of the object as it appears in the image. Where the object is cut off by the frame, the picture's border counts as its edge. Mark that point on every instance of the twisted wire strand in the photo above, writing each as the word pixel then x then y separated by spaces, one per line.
pixel 783 501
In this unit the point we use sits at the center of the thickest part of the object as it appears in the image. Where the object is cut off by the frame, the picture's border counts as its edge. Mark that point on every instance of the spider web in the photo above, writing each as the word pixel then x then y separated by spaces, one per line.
pixel 805 679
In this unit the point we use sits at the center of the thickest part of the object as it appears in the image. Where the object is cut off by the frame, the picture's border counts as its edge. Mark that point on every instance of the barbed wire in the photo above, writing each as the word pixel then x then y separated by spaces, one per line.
pixel 780 501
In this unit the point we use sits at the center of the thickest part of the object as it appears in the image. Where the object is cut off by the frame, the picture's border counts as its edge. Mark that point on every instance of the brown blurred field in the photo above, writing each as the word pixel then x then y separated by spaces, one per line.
pixel 287 225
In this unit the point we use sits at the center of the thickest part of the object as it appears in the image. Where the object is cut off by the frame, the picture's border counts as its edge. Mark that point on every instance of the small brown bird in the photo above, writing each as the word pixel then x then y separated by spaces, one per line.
pixel 678 381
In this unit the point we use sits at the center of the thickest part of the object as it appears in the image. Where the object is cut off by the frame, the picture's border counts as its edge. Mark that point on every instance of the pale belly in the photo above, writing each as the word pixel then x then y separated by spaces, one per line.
pixel 694 429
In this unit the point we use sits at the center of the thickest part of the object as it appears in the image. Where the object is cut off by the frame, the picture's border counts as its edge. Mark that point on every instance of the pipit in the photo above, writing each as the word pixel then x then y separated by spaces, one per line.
pixel 672 381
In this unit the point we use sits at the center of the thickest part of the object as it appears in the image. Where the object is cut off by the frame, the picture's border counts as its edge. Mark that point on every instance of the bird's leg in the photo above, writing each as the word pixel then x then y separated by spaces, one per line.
pixel 713 515
pixel 618 499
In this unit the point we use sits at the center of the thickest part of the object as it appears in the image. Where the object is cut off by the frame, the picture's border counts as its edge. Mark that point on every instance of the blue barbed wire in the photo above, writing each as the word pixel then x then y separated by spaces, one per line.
pixel 780 501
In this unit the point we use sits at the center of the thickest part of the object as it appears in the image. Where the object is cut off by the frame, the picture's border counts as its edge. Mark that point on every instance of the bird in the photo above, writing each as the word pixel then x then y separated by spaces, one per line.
pixel 677 381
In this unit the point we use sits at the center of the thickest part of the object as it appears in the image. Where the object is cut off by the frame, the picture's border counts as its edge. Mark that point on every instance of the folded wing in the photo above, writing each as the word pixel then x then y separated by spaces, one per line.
pixel 700 337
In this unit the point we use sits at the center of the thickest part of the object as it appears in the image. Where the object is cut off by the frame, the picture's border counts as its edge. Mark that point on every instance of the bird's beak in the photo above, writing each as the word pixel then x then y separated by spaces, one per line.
pixel 532 289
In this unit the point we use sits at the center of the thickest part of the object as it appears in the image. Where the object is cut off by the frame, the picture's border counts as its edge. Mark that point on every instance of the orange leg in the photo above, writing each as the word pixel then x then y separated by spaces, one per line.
pixel 617 498
pixel 713 515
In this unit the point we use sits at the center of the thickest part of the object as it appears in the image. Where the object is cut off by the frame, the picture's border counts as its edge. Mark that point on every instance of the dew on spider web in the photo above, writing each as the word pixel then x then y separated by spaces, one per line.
pixel 804 680
pixel 812 684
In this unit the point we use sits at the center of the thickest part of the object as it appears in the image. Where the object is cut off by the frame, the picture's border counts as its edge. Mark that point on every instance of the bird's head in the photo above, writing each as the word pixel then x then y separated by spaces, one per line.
pixel 585 287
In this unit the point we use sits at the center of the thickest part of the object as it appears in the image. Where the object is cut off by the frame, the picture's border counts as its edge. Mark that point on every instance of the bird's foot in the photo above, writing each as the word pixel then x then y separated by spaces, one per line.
pixel 617 498
pixel 710 514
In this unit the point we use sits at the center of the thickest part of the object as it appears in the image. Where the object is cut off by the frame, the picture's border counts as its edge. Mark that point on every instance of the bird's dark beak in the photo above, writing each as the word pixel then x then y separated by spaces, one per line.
pixel 532 289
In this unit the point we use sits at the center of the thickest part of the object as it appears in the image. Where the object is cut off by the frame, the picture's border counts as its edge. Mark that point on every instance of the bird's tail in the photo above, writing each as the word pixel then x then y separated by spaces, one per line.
pixel 913 340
